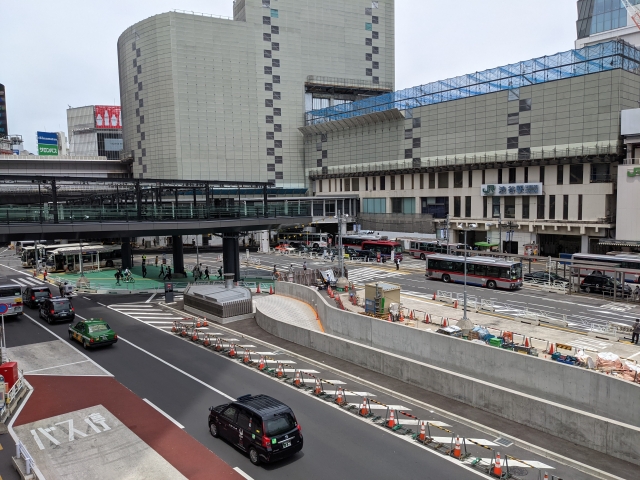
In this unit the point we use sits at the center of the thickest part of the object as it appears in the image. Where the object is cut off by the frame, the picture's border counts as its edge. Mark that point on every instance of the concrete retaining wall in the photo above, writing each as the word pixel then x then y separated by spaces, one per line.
pixel 598 433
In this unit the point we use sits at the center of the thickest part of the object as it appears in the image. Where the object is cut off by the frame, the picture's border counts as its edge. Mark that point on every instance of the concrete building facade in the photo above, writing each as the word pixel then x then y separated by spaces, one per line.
pixel 94 130
pixel 215 98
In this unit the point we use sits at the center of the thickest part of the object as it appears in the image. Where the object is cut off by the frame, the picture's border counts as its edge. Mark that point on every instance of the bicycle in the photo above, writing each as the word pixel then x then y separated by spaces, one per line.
pixel 129 279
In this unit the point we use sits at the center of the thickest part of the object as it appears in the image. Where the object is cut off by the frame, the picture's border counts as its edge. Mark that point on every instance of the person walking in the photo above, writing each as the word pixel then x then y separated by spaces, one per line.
pixel 144 271
pixel 161 274
pixel 206 273
pixel 397 263
pixel 156 260
pixel 144 259
pixel 44 274
pixel 636 332
pixel 168 275
pixel 220 272
pixel 304 265
pixel 118 276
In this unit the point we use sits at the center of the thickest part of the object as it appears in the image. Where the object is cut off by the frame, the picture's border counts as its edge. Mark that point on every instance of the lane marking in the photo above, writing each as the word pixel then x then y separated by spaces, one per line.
pixel 635 354
pixel 19 283
pixel 86 298
pixel 220 392
pixel 57 366
pixel 237 469
pixel 165 414
pixel 102 304
pixel 150 298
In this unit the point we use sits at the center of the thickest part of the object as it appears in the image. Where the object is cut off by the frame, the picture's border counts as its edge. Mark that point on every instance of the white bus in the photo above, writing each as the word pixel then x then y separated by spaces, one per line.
pixel 304 238
pixel 67 259
pixel 481 271
pixel 28 255
pixel 10 297
pixel 618 260
pixel 26 243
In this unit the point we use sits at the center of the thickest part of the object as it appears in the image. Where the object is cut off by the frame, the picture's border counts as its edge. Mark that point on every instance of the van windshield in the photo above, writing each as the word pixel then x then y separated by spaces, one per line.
pixel 278 425
pixel 61 306
pixel 10 291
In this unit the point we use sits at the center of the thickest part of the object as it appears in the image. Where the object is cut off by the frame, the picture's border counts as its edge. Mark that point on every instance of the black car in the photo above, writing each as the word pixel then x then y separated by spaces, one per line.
pixel 262 426
pixel 57 309
pixel 368 254
pixel 34 296
pixel 544 277
pixel 596 283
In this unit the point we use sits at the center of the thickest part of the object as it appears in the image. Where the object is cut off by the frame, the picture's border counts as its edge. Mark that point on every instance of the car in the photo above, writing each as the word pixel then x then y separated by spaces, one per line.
pixel 57 309
pixel 284 248
pixel 597 283
pixel 34 296
pixel 260 425
pixel 93 332
pixel 350 252
pixel 368 254
pixel 544 277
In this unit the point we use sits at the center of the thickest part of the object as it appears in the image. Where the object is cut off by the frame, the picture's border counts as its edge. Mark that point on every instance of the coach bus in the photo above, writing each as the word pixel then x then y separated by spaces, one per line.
pixel 28 255
pixel 384 247
pixel 618 260
pixel 355 241
pixel 67 259
pixel 304 238
pixel 420 249
pixel 481 271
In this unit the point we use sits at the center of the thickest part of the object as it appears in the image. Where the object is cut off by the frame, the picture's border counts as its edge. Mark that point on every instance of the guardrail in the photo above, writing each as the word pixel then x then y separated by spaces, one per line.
pixel 22 452
pixel 553 287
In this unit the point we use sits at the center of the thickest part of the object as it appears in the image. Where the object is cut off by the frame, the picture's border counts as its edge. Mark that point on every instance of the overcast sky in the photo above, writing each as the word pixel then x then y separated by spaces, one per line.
pixel 63 52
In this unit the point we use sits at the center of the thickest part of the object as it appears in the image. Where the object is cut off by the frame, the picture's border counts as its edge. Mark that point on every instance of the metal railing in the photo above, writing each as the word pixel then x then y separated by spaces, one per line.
pixel 22 452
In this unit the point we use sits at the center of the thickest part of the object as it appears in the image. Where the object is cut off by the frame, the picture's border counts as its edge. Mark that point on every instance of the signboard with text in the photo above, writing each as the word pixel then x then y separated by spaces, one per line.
pixel 107 116
pixel 47 143
pixel 511 189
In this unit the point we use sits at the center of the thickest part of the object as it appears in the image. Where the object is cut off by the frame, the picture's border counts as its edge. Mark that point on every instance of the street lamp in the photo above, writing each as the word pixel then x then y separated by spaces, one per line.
pixel 464 301
pixel 342 281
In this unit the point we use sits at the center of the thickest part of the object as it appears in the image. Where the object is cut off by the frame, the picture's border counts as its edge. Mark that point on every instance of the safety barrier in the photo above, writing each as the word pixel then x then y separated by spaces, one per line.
pixel 553 287
pixel 22 452
pixel 442 296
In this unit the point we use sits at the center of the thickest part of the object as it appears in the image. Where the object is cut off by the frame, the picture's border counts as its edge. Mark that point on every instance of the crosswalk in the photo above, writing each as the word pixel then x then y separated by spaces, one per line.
pixel 368 274
pixel 28 281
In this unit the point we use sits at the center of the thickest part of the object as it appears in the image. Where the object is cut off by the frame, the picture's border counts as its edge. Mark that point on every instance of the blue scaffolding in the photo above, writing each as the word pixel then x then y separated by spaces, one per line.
pixel 574 63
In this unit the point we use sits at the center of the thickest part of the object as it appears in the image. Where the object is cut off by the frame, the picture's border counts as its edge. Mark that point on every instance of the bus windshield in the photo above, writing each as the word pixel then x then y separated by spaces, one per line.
pixel 516 271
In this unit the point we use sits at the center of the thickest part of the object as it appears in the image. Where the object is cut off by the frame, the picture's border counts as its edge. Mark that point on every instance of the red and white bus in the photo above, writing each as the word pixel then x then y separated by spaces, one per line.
pixel 422 249
pixel 384 247
pixel 481 271
pixel 355 241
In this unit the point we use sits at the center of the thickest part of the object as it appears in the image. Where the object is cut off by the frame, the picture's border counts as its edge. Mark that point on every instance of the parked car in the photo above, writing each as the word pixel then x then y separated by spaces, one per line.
pixel 368 254
pixel 93 332
pixel 34 296
pixel 57 309
pixel 597 283
pixel 284 248
pixel 260 425
pixel 544 277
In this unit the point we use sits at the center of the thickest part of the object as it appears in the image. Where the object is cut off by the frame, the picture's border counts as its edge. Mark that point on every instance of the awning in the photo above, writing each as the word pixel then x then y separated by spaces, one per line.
pixel 486 244
pixel 619 243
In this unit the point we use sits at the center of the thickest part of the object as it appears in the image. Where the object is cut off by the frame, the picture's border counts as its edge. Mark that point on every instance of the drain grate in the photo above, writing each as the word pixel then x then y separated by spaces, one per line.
pixel 505 442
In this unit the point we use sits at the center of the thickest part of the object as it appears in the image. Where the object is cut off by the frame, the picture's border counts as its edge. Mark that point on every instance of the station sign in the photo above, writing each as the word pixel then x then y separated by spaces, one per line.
pixel 511 189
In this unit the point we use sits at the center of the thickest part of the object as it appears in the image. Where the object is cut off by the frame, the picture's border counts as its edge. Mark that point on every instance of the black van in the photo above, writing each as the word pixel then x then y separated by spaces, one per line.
pixel 57 309
pixel 262 426
pixel 34 296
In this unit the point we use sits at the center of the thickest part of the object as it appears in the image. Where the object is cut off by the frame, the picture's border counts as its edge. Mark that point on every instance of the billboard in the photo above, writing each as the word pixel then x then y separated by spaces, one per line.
pixel 107 116
pixel 47 143
pixel 113 144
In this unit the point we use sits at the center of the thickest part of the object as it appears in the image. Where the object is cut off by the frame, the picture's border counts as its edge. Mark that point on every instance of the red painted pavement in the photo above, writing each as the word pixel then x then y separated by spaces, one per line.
pixel 57 395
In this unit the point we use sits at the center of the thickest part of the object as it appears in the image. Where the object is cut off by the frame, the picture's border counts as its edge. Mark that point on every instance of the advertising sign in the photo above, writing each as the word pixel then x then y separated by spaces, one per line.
pixel 47 143
pixel 113 144
pixel 107 116
pixel 511 189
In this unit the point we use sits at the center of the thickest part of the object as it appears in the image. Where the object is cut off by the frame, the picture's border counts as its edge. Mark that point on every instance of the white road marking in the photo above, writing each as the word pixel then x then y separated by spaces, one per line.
pixel 481 441
pixel 237 469
pixel 634 355
pixel 375 406
pixel 57 366
pixel 293 370
pixel 101 304
pixel 163 413
pixel 19 283
pixel 515 463
pixel 150 298
pixel 86 298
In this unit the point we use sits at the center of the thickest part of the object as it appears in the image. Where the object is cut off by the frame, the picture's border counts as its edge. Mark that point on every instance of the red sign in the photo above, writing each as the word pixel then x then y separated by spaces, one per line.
pixel 107 116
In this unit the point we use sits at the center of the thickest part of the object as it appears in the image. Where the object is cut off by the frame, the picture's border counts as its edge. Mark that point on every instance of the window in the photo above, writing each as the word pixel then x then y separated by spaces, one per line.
pixel 485 204
pixel 382 183
pixel 408 153
pixel 374 205
pixel 526 174
pixel 368 72
pixel 467 207
pixel 277 127
pixel 266 37
pixel 355 184
pixel 324 137
pixel 401 182
pixel 277 112
pixel 579 207
pixel 278 159
pixel 499 175
pixel 540 207
pixel 366 183
pixel 509 207
pixel 375 50
pixel 269 118
pixel 436 206
pixel 484 180
pixel 367 11
pixel 525 105
pixel 279 175
pixel 495 207
pixel 457 179
pixel 416 143
pixel 560 174
pixel 368 26
pixel 143 136
pixel 275 30
pixel 275 62
pixel 268 87
pixel 392 179
pixel 576 174
pixel 270 136
pixel 542 176
pixel 243 421
pixel 512 175
pixel 277 96
pixel 512 142
pixel 267 54
pixel 141 119
pixel 266 20
pixel 514 94
pixel 141 102
pixel 443 179
pixel 470 180
pixel 268 70
pixel 319 163
pixel 266 3
pixel 565 207
pixel 524 153
pixel 368 42
pixel 271 151
pixel 276 79
pixel 525 207
pixel 552 207
pixel 417 122
pixel 277 143
pixel 456 207
pixel 230 413
pixel 524 129
pixel 422 181
pixel 368 57
pixel 375 35
pixel 513 119
pixel 274 13
pixel 275 46
pixel 325 153
pixel 374 20
pixel 432 180
pixel 413 186
pixel 268 103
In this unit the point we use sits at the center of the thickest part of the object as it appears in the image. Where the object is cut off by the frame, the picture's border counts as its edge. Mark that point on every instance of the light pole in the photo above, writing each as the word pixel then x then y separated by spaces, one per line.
pixel 464 301
pixel 342 281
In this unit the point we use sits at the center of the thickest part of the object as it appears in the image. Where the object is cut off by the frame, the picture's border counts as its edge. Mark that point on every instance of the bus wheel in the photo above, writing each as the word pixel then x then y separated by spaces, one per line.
pixel 491 284
pixel 446 278
pixel 109 263
pixel 315 245
pixel 422 257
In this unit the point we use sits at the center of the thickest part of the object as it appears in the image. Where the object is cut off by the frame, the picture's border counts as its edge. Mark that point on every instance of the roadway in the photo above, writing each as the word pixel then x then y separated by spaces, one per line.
pixel 184 380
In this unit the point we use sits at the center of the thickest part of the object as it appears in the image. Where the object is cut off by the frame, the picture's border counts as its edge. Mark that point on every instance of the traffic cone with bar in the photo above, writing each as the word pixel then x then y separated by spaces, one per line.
pixel 206 342
pixel 218 346
pixel 279 371
pixel 552 349
pixel 497 468
pixel 184 331
pixel 271 290
pixel 364 409
pixel 194 337
pixel 198 323
pixel 392 422
pixel 423 432
pixel 340 397
pixel 258 288
pixel 318 388
pixel 174 329
pixel 232 350
pixel 205 323
pixel 457 452
pixel 445 323
pixel 296 379
pixel 246 358
pixel 261 364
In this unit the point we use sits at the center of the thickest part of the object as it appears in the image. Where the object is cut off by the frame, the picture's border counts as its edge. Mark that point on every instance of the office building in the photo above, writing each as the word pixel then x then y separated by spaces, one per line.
pixel 214 98
pixel 4 127
pixel 603 20
pixel 94 131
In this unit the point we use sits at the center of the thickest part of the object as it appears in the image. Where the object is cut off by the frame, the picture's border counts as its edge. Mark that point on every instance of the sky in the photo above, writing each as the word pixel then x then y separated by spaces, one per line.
pixel 63 53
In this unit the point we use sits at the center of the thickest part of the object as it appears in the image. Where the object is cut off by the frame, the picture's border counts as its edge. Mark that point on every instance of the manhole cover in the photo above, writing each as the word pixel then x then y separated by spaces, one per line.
pixel 518 471
pixel 505 442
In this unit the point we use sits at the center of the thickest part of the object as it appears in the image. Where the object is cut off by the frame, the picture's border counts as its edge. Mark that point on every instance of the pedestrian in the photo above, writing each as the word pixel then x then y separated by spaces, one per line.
pixel 161 274
pixel 144 259
pixel 304 265
pixel 636 332
pixel 118 276
pixel 155 243
pixel 156 260
pixel 44 274
pixel 397 260
pixel 220 272
pixel 206 273
pixel 144 271
pixel 168 275
pixel 275 269
pixel 244 243
pixel 164 258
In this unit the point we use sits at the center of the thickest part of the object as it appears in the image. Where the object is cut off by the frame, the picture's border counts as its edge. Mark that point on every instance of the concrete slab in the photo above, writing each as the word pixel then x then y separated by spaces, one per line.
pixel 52 358
pixel 92 444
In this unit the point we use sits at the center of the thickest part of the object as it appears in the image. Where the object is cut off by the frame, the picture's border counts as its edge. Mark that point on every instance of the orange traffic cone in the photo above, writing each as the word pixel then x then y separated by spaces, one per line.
pixel 527 344
pixel 401 319
pixel 218 346
pixel 423 432
pixel 411 315
pixel 232 350
pixel 552 349
pixel 434 295
pixel 340 397
pixel 246 358
pixel 318 388
pixel 258 288
pixel 296 380
pixel 271 290
pixel 279 371
pixel 183 332
pixel 497 468
pixel 364 409
pixel 427 318
pixel 174 329
pixel 455 304
pixel 445 323
pixel 205 323
pixel 206 342
pixel 198 323
pixel 457 451
pixel 261 364
pixel 194 337
pixel 392 422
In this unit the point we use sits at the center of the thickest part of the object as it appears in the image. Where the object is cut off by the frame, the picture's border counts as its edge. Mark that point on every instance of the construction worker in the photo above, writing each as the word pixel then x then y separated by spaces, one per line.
pixel 144 259
pixel 144 271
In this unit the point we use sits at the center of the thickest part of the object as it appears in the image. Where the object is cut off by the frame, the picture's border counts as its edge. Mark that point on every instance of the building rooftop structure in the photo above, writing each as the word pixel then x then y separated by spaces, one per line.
pixel 573 63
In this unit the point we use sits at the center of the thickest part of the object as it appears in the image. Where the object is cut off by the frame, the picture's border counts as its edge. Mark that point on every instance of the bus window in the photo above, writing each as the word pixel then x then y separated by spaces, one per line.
pixel 481 270
pixel 493 271
pixel 471 269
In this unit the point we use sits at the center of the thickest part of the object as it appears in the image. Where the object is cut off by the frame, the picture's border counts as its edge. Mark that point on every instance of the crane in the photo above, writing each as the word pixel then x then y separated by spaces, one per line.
pixel 633 11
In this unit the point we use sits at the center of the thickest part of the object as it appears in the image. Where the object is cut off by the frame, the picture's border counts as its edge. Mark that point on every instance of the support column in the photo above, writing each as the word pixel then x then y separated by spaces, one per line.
pixel 178 255
pixel 54 197
pixel 231 255
pixel 266 201
pixel 126 253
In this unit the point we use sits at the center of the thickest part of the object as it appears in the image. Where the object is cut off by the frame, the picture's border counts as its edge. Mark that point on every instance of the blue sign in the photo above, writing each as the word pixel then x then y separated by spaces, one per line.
pixel 3 308
pixel 47 138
